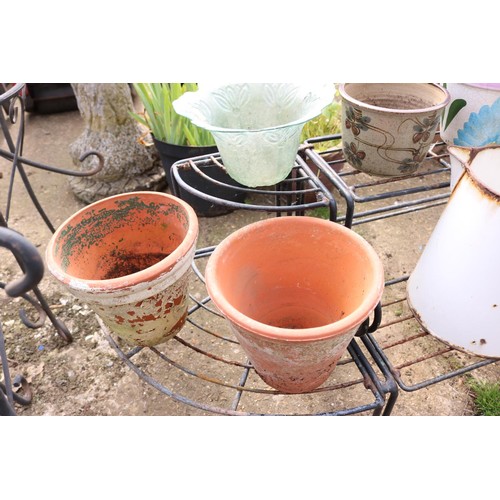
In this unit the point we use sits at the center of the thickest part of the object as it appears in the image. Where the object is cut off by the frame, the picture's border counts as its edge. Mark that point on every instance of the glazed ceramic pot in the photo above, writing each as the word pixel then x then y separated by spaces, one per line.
pixel 471 119
pixel 294 290
pixel 388 128
pixel 256 126
pixel 454 290
pixel 129 257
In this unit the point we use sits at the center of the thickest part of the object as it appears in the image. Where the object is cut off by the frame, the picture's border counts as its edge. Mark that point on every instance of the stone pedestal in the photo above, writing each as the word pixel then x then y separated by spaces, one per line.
pixel 110 130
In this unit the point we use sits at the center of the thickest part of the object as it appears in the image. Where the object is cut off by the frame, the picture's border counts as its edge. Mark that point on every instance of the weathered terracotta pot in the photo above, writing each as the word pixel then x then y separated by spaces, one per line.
pixel 128 257
pixel 295 290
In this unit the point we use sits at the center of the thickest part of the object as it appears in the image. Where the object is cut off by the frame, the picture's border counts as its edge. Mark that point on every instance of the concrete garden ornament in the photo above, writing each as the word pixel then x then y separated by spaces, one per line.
pixel 295 290
pixel 129 257
pixel 454 289
pixel 257 126
pixel 388 128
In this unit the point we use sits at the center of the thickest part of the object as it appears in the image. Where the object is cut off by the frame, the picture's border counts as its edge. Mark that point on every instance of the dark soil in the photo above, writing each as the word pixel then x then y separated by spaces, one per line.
pixel 124 265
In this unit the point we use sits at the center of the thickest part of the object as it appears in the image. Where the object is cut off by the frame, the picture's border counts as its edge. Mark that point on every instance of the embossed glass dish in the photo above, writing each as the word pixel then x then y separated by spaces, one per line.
pixel 256 126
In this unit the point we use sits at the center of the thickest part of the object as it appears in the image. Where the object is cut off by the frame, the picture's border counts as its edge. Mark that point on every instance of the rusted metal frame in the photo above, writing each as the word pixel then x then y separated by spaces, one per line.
pixel 160 387
pixel 209 332
pixel 398 193
pixel 381 357
pixel 218 410
pixel 356 354
pixel 426 383
pixel 324 193
pixel 336 181
pixel 389 385
pixel 368 379
pixel 202 304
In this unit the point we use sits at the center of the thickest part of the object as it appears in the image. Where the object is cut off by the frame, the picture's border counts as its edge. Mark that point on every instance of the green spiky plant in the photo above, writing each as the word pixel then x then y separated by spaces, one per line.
pixel 161 119
pixel 327 123
pixel 486 397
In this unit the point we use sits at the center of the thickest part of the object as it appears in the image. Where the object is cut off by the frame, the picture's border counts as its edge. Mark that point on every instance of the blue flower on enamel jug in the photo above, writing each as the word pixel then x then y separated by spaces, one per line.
pixel 482 128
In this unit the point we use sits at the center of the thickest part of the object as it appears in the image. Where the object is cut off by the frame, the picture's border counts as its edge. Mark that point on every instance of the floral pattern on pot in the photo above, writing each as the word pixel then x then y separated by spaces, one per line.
pixel 355 120
pixel 353 155
pixel 387 129
pixel 386 143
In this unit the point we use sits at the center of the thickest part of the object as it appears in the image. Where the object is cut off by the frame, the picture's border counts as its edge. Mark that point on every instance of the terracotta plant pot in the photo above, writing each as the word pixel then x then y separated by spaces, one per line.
pixel 295 290
pixel 388 128
pixel 128 257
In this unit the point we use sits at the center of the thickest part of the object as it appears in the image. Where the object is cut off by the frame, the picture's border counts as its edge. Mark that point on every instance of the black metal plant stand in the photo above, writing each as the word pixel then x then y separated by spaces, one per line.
pixel 322 181
pixel 399 334
pixel 30 261
pixel 204 358
pixel 12 113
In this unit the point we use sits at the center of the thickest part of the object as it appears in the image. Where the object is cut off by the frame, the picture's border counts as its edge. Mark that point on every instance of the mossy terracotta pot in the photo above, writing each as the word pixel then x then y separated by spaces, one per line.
pixel 388 128
pixel 294 290
pixel 129 257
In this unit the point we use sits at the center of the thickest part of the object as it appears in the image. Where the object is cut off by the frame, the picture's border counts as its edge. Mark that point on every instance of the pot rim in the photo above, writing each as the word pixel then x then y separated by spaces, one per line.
pixel 181 105
pixel 340 327
pixel 469 154
pixel 436 107
pixel 144 276
pixel 495 87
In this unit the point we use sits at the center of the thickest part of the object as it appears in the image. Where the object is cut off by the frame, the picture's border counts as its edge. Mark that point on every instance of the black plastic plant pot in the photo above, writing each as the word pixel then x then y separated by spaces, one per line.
pixel 171 153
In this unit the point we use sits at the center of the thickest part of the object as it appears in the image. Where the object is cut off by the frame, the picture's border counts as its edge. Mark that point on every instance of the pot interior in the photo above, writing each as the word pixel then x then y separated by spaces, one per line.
pixel 397 96
pixel 119 237
pixel 293 272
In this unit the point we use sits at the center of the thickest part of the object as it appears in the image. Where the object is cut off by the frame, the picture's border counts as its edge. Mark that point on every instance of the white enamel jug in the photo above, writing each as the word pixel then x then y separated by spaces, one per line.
pixel 454 290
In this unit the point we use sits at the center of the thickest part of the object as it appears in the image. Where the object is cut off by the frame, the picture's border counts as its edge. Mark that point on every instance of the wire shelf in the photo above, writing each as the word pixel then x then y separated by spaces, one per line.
pixel 397 354
pixel 204 367
pixel 403 350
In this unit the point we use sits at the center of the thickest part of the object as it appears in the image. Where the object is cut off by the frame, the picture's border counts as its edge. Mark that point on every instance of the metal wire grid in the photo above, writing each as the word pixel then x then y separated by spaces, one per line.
pixel 302 190
pixel 402 349
pixel 317 181
pixel 205 358
pixel 387 197
pixel 210 356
